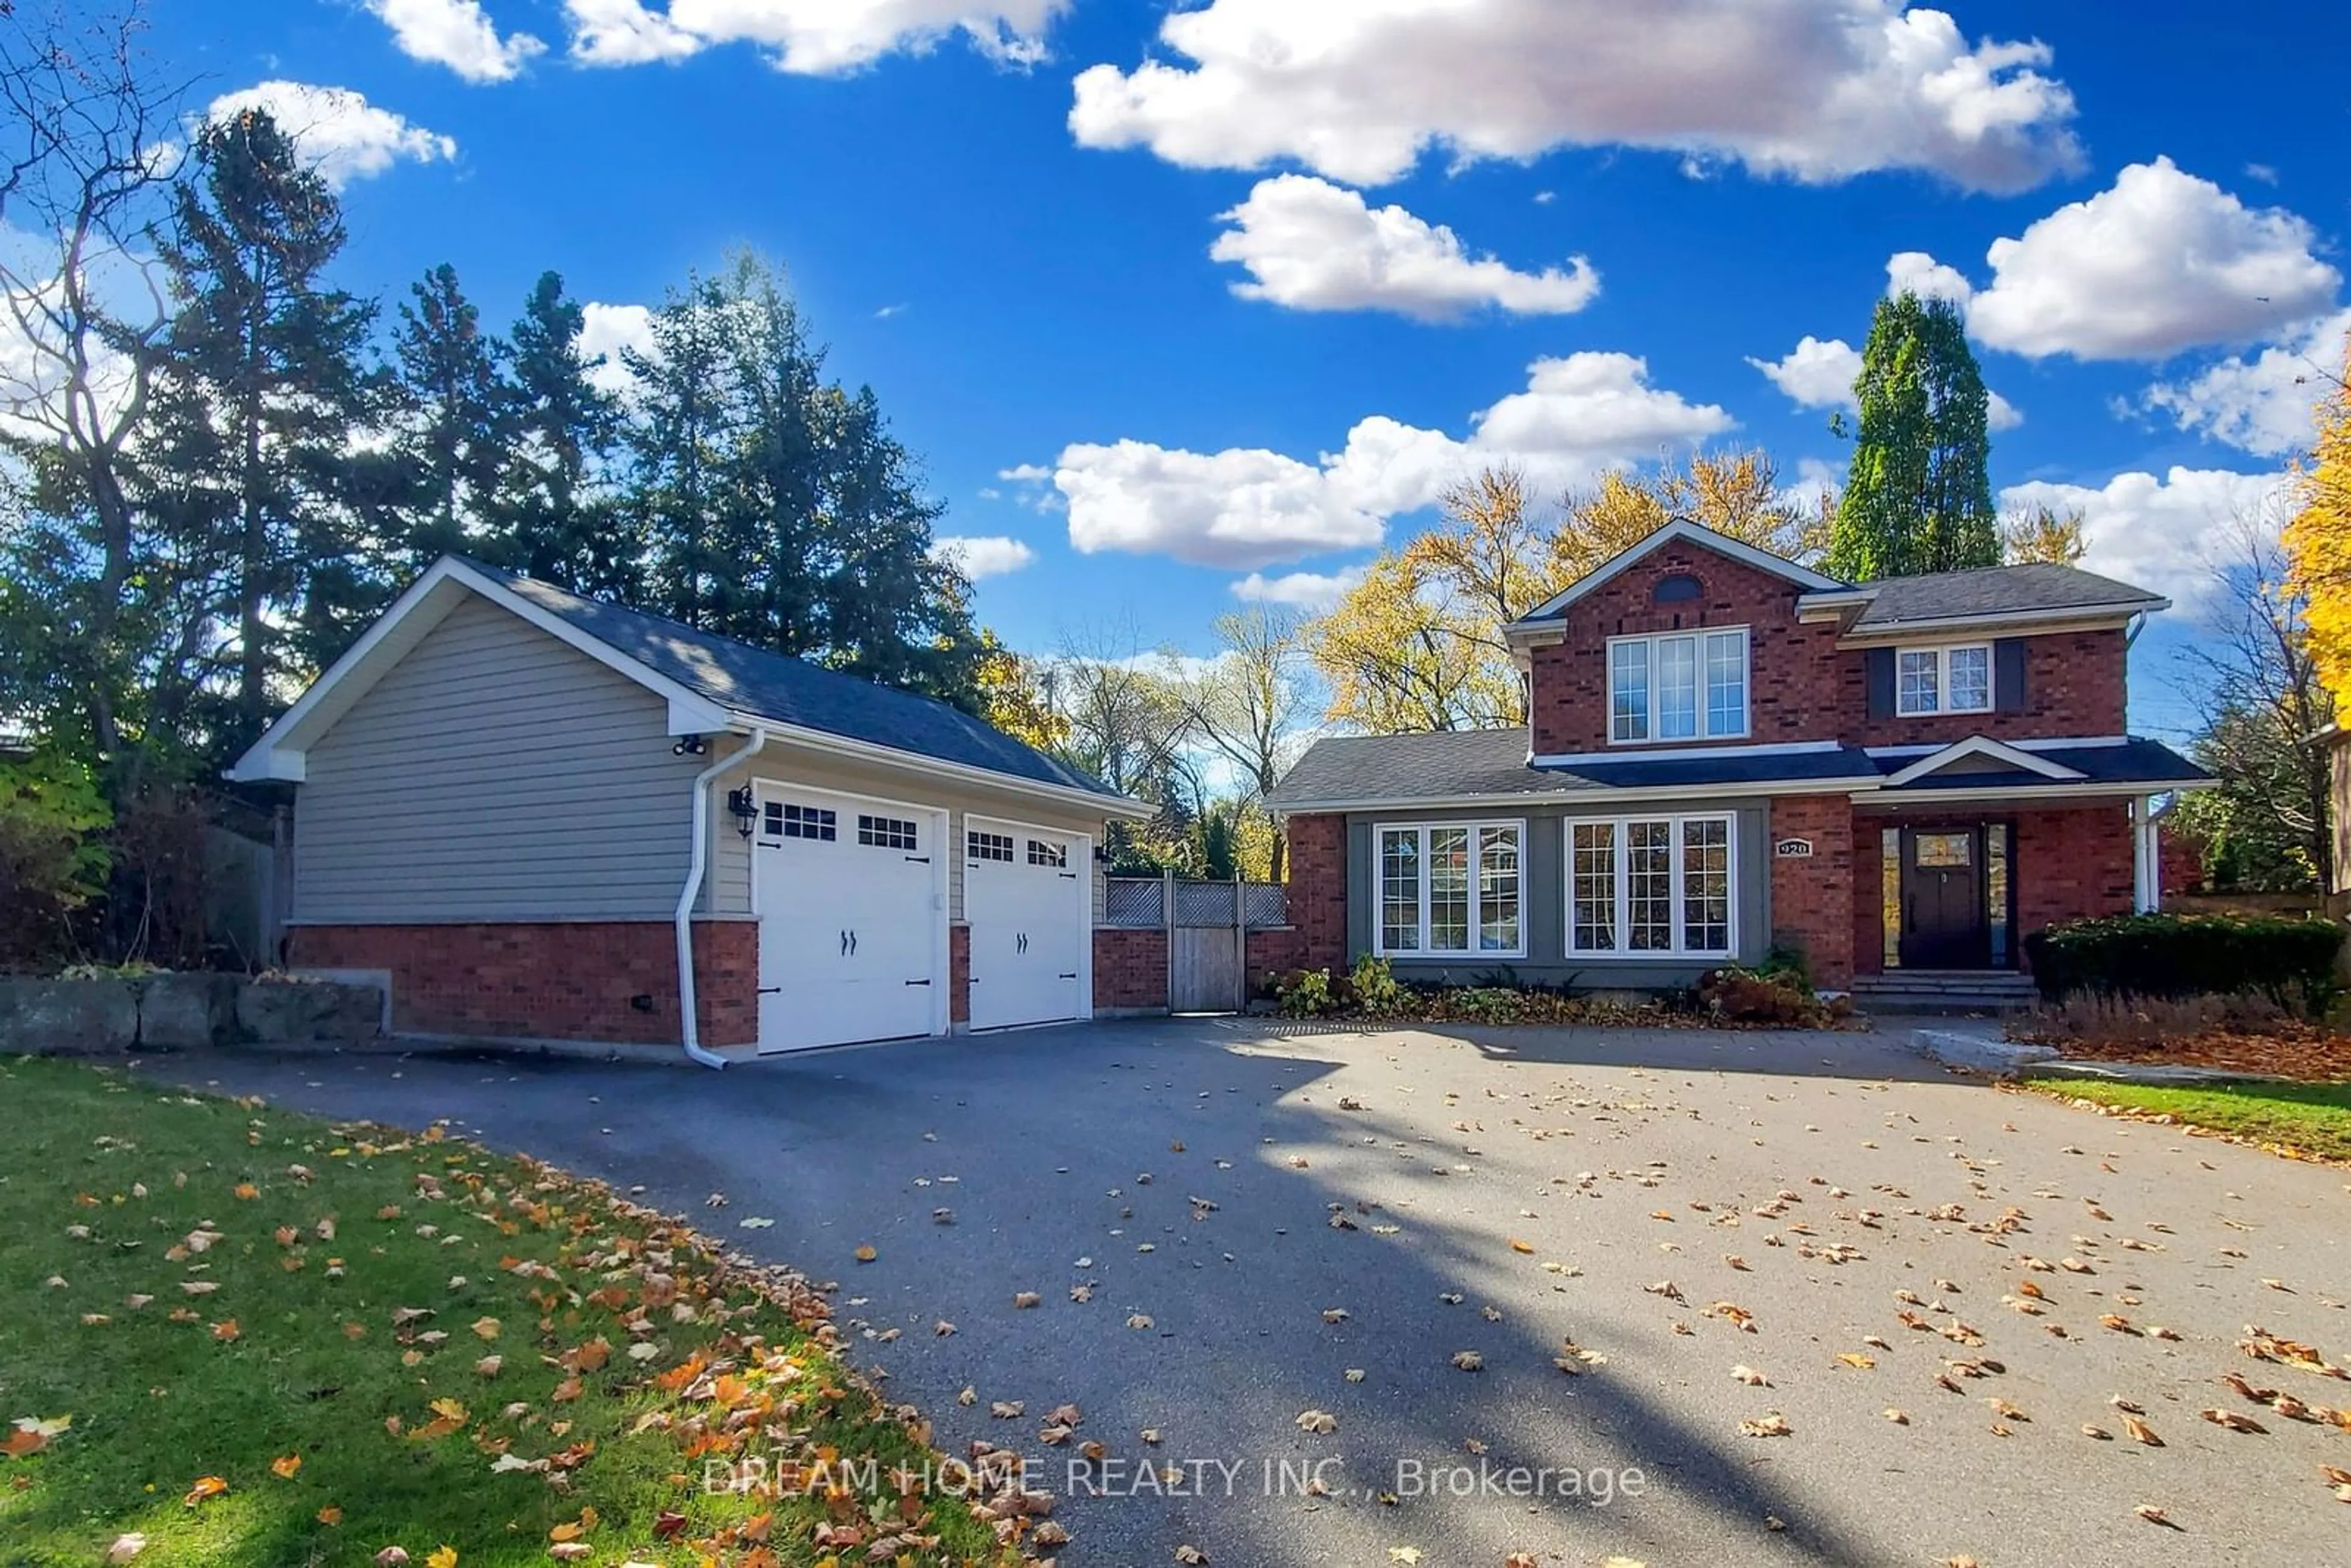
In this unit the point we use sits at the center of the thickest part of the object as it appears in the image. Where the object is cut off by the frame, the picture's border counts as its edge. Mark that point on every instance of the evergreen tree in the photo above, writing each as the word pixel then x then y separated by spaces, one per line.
pixel 1918 497
pixel 454 418
pixel 553 520
pixel 778 507
pixel 261 389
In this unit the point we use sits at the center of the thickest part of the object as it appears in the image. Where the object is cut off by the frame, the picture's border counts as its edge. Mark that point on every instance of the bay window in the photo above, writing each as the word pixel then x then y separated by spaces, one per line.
pixel 1650 887
pixel 1450 888
pixel 1684 685
pixel 1943 679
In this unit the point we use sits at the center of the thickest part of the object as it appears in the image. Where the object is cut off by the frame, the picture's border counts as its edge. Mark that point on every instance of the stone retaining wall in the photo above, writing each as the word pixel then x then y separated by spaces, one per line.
pixel 181 1012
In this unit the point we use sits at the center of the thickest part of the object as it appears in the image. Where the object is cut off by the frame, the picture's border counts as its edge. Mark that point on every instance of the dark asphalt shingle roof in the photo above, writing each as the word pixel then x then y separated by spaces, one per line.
pixel 1994 590
pixel 1492 764
pixel 788 690
pixel 2136 761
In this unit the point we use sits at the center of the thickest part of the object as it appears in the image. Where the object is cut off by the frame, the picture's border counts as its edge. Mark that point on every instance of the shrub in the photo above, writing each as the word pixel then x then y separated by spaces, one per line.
pixel 1489 1004
pixel 1378 993
pixel 2290 961
pixel 52 862
pixel 1306 994
pixel 1749 995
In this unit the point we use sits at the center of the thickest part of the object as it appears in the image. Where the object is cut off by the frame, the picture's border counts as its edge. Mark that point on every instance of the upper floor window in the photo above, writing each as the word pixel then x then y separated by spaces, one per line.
pixel 1943 679
pixel 1683 685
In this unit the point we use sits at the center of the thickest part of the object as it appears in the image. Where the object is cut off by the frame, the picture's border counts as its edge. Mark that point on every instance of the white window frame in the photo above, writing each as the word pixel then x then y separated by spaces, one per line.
pixel 1622 826
pixel 1380 831
pixel 1696 636
pixel 1942 652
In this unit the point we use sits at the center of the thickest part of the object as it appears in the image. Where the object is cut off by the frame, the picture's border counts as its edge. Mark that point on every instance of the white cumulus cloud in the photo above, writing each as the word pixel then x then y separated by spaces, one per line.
pixel 992 555
pixel 1312 245
pixel 458 33
pixel 1813 89
pixel 1252 507
pixel 1820 374
pixel 1915 272
pixel 2152 531
pixel 2159 262
pixel 345 137
pixel 1309 591
pixel 606 329
pixel 1815 373
pixel 2265 404
pixel 809 38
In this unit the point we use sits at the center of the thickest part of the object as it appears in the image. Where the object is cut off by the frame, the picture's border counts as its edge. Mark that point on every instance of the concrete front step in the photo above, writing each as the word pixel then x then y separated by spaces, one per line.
pixel 1946 992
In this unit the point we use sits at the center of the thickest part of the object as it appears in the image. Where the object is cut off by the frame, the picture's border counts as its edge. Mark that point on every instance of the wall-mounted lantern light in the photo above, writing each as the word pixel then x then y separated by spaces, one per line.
pixel 746 810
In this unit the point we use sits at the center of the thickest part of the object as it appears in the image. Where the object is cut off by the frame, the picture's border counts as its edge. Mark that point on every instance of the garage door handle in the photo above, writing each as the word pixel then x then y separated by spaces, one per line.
pixel 845 942
pixel 1021 943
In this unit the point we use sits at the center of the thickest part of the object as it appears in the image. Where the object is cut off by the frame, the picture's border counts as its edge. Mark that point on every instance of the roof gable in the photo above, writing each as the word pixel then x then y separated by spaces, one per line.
pixel 712 683
pixel 1980 754
pixel 1682 529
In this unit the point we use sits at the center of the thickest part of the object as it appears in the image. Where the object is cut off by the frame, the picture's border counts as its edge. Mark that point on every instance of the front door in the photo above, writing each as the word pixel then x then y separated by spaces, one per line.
pixel 1945 923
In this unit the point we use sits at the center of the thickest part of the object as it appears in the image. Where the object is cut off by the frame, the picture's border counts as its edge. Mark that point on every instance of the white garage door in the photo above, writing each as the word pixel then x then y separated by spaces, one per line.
pixel 847 896
pixel 1025 899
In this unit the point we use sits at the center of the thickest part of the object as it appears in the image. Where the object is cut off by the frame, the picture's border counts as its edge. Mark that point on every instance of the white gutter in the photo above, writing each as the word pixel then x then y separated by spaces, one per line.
pixel 689 1024
pixel 866 750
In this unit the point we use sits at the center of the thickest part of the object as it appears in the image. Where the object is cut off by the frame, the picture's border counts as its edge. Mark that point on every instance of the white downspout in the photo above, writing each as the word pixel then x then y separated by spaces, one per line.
pixel 695 871
pixel 2146 873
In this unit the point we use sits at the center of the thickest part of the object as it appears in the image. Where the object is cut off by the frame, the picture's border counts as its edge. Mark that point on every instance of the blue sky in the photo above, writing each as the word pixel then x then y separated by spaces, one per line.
pixel 1005 227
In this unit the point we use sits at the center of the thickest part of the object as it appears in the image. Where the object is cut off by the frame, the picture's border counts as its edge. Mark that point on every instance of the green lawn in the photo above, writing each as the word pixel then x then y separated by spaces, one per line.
pixel 279 1342
pixel 2311 1118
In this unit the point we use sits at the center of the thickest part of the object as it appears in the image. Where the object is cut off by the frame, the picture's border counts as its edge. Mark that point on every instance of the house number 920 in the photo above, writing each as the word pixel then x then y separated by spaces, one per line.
pixel 1794 849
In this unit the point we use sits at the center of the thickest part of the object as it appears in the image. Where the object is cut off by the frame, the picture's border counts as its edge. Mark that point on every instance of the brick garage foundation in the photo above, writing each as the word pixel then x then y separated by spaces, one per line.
pixel 1318 894
pixel 560 980
pixel 958 974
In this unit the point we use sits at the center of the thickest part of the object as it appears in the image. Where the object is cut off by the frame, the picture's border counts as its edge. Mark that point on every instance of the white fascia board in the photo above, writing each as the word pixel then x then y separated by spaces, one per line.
pixel 1684 754
pixel 1981 746
pixel 2026 796
pixel 1107 806
pixel 2073 618
pixel 1682 529
pixel 1601 795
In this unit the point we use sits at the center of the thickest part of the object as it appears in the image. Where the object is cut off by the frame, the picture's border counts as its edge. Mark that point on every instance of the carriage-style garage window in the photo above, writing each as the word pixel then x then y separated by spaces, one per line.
pixel 1650 886
pixel 1045 854
pixel 787 820
pixel 1684 686
pixel 989 846
pixel 886 832
pixel 1451 887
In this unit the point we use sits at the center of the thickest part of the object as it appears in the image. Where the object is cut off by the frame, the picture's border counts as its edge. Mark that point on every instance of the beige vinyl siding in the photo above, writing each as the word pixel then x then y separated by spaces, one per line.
pixel 782 763
pixel 494 774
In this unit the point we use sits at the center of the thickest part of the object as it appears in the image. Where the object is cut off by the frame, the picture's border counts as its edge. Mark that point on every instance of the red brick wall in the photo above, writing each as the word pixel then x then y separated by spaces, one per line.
pixel 1318 893
pixel 1800 685
pixel 2071 864
pixel 1273 954
pixel 1811 898
pixel 2074 685
pixel 1130 968
pixel 1797 681
pixel 568 980
pixel 960 973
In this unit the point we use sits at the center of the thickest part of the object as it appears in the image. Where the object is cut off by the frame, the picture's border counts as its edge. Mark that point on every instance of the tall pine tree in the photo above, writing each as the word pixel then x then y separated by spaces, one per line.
pixel 1918 497
pixel 555 519
pixel 453 419
pixel 260 391
pixel 778 507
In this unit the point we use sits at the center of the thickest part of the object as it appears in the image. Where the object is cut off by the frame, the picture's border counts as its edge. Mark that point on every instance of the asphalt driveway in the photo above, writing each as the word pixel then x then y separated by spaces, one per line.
pixel 1222 1189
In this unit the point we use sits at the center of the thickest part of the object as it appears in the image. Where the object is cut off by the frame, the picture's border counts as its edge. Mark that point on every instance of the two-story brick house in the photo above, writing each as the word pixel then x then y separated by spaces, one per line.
pixel 1727 751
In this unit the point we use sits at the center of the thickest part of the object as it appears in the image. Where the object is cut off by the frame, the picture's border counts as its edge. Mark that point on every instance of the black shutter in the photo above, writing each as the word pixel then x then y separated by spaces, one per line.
pixel 1878 668
pixel 2008 674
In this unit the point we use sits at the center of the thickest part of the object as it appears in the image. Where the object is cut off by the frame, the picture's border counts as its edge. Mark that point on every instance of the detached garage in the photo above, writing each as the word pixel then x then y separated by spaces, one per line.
pixel 538 816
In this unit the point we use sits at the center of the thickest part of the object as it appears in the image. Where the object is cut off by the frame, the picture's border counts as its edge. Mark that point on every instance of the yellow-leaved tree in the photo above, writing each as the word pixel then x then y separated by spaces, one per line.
pixel 1418 644
pixel 2318 540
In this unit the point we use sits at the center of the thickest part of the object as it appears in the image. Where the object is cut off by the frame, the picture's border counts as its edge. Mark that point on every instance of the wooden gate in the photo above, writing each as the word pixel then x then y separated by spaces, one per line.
pixel 1206 924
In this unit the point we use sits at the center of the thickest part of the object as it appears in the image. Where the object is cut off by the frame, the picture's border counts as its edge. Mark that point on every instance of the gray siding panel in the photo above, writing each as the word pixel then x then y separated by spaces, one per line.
pixel 494 774
pixel 1543 896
